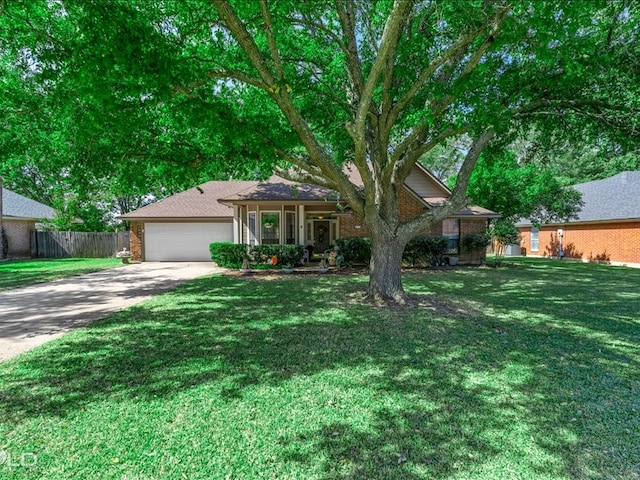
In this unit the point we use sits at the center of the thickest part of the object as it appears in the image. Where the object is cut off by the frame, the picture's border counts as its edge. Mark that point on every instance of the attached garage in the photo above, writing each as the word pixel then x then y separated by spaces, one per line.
pixel 183 242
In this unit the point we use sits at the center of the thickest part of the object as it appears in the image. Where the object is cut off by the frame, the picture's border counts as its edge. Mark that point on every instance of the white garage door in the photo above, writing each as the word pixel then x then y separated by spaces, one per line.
pixel 183 242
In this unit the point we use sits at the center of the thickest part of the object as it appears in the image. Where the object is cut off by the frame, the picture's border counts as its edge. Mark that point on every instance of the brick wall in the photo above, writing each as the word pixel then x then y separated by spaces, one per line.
pixel 135 239
pixel 409 206
pixel 409 209
pixel 19 236
pixel 348 224
pixel 468 226
pixel 611 242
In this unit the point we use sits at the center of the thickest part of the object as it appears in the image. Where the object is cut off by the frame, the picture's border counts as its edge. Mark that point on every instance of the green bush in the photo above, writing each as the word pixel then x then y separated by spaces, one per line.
pixel 291 255
pixel 286 254
pixel 474 242
pixel 262 254
pixel 355 249
pixel 425 249
pixel 414 251
pixel 227 254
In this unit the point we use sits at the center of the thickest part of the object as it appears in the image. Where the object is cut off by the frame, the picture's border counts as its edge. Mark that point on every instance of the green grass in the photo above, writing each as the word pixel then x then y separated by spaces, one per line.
pixel 20 273
pixel 524 372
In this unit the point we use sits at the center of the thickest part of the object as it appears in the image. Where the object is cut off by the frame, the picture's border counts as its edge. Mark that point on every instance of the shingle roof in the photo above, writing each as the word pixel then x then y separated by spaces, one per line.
pixel 197 202
pixel 212 199
pixel 277 188
pixel 613 198
pixel 16 206
pixel 469 211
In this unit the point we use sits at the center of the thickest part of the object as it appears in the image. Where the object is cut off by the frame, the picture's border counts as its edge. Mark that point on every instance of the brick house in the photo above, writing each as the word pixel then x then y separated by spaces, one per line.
pixel 607 229
pixel 20 216
pixel 278 211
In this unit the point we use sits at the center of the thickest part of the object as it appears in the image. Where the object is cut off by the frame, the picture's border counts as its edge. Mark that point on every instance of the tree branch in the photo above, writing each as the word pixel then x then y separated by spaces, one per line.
pixel 354 65
pixel 390 38
pixel 319 157
pixel 402 168
pixel 458 198
pixel 268 28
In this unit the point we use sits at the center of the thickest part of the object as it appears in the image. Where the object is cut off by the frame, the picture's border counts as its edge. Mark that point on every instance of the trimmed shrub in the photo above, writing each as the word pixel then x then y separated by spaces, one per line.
pixel 227 254
pixel 291 255
pixel 286 254
pixel 262 254
pixel 475 242
pixel 355 250
pixel 425 249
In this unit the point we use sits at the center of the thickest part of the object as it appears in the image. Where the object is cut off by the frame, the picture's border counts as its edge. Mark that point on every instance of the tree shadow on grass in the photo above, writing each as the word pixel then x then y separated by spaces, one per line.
pixel 452 390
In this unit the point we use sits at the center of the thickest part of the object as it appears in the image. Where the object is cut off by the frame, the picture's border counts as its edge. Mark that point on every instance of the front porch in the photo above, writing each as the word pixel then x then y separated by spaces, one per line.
pixel 316 226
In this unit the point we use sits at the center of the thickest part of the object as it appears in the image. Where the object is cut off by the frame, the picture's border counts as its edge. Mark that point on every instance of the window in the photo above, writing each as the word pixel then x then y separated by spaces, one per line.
pixel 535 239
pixel 451 231
pixel 251 225
pixel 290 228
pixel 270 231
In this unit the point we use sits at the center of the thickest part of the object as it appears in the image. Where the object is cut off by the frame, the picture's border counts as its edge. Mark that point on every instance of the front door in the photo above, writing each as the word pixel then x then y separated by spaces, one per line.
pixel 321 235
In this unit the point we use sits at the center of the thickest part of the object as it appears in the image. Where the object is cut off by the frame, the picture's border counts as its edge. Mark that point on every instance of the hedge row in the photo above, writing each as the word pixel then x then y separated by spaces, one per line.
pixel 355 250
pixel 231 255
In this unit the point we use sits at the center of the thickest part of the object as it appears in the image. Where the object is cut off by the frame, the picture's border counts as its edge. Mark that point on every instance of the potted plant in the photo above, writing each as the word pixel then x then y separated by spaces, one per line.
pixel 322 268
pixel 270 220
pixel 288 268
pixel 125 255
pixel 244 269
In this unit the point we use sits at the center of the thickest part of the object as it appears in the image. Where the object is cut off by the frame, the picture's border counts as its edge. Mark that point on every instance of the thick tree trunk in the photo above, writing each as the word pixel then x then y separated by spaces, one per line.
pixel 385 275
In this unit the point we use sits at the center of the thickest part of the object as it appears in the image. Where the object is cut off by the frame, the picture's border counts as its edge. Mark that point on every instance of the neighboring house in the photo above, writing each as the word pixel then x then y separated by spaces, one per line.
pixel 607 229
pixel 277 211
pixel 19 217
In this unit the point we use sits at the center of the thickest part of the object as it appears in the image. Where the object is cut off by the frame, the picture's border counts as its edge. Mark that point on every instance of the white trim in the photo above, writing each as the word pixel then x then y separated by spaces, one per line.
pixel 537 232
pixel 252 236
pixel 236 225
pixel 301 226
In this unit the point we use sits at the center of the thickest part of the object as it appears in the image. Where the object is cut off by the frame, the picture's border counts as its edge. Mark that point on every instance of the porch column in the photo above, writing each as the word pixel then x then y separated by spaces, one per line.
pixel 236 225
pixel 301 225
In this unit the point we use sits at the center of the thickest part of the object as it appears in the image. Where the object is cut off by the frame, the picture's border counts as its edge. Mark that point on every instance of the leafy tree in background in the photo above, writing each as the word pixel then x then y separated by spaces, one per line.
pixel 242 88
pixel 503 184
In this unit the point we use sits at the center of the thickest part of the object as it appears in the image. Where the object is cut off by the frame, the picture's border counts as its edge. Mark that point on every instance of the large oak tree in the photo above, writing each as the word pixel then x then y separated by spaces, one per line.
pixel 305 87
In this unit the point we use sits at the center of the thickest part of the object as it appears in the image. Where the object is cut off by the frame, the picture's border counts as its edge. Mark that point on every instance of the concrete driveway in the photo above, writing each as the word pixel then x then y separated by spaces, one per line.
pixel 31 316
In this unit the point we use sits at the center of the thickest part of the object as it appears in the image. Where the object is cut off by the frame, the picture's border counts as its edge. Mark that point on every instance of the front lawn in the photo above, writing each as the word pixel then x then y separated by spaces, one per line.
pixel 21 273
pixel 530 371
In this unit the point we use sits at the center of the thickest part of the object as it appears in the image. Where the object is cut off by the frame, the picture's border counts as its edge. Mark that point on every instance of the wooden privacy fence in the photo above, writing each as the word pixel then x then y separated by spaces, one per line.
pixel 77 244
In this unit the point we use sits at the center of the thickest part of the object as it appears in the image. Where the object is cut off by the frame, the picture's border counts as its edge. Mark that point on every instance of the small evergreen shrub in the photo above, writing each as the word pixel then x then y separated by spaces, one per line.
pixel 262 255
pixel 290 255
pixel 425 250
pixel 355 249
pixel 475 242
pixel 227 254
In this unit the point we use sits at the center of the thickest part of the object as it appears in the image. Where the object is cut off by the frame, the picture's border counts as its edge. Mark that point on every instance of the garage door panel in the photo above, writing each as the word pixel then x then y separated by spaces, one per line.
pixel 183 242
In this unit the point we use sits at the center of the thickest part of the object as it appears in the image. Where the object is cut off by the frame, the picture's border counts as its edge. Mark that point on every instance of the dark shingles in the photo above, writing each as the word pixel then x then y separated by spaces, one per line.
pixel 15 205
pixel 609 199
pixel 197 202
pixel 613 198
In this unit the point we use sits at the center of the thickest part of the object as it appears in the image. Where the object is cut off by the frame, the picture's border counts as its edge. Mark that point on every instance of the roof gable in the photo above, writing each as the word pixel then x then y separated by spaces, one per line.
pixel 424 184
pixel 15 205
